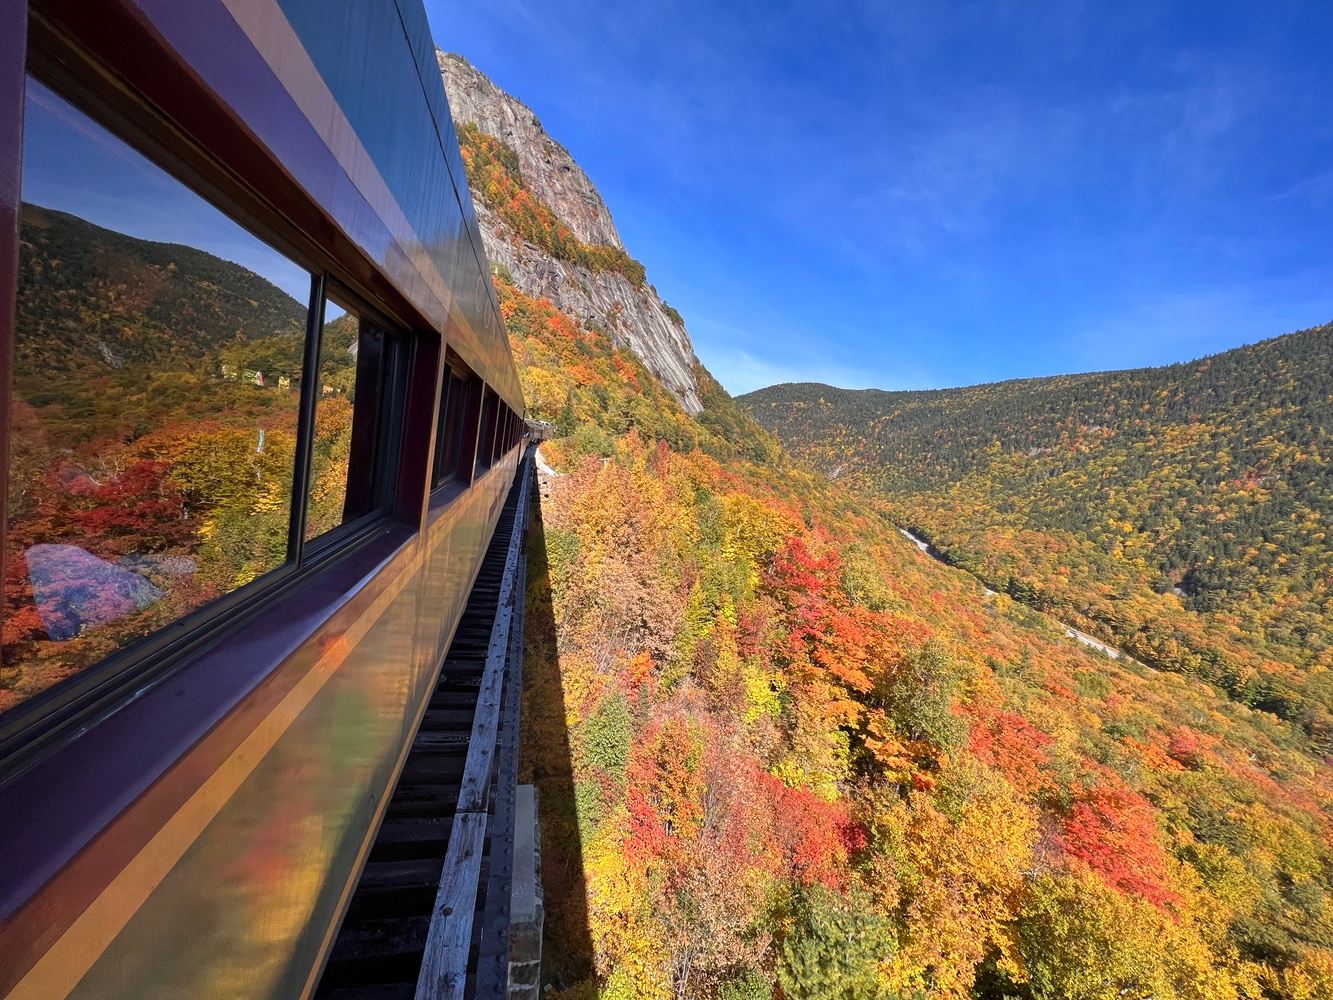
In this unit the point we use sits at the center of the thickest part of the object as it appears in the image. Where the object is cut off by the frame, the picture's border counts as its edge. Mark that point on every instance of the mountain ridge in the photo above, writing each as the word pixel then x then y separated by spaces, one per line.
pixel 68 266
pixel 1028 379
pixel 630 311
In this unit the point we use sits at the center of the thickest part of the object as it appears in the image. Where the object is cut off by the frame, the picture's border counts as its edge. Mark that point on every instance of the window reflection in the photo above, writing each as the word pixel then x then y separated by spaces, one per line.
pixel 486 438
pixel 156 391
pixel 353 357
pixel 449 434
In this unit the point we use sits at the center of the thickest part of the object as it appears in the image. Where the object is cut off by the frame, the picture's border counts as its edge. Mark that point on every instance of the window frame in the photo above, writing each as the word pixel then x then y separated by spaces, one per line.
pixel 487 421
pixel 467 456
pixel 455 376
pixel 37 725
pixel 389 431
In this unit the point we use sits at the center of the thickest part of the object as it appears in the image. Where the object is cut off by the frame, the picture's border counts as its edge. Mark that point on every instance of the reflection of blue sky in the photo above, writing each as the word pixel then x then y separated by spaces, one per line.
pixel 73 165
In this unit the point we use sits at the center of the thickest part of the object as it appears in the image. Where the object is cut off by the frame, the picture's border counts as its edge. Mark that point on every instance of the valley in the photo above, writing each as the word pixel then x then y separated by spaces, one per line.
pixel 927 549
pixel 781 754
pixel 1179 514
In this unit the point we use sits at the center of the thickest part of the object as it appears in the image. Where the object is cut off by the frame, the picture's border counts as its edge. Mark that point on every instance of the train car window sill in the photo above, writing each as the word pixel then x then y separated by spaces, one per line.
pixel 443 498
pixel 84 701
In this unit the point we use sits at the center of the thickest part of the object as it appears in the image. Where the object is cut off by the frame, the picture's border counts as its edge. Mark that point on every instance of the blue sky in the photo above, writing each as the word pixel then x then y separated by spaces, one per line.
pixel 918 194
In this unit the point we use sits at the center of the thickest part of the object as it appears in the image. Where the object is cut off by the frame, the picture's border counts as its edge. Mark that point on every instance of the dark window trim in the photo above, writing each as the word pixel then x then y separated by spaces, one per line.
pixel 305 425
pixel 389 429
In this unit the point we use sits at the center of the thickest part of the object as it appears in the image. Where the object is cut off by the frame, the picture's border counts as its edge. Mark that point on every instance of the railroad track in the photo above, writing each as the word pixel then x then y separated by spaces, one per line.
pixel 406 906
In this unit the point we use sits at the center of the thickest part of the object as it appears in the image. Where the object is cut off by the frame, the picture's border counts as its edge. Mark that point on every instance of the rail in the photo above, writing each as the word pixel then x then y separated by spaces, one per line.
pixel 444 964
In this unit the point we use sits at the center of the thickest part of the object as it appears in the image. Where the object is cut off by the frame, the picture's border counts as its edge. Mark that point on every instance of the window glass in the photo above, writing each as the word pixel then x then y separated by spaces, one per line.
pixel 453 417
pixel 470 426
pixel 154 416
pixel 349 407
pixel 487 436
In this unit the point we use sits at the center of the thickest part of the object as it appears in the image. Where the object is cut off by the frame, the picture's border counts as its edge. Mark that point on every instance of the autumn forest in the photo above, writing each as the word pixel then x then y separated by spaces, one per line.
pixel 784 753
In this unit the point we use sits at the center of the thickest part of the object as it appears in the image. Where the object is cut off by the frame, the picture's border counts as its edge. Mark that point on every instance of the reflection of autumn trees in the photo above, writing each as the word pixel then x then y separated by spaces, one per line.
pixel 194 508
pixel 132 449
pixel 803 755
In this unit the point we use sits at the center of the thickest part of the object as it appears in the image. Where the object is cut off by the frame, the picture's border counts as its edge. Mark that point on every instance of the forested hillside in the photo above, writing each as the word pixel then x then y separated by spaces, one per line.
pixel 1182 512
pixel 783 754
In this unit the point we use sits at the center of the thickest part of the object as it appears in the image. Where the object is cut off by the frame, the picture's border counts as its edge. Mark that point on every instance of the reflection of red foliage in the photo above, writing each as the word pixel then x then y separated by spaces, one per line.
pixel 1111 830
pixel 140 510
pixel 22 621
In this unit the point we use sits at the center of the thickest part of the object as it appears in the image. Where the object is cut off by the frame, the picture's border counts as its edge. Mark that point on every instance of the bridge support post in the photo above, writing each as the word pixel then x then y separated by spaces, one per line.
pixel 526 910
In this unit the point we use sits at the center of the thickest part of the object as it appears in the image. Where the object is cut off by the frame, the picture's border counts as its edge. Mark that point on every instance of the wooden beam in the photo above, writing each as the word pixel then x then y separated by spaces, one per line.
pixel 493 943
pixel 444 964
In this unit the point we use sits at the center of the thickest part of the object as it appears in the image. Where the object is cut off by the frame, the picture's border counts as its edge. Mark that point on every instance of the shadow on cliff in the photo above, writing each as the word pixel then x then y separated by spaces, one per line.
pixel 546 761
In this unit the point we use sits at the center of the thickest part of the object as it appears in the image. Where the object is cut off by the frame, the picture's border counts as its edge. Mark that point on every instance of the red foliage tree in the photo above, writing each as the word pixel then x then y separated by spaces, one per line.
pixel 1111 830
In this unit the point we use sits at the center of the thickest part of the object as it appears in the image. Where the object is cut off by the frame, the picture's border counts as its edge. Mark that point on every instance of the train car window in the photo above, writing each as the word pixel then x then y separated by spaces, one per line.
pixel 453 420
pixel 352 407
pixel 486 439
pixel 467 456
pixel 437 471
pixel 155 409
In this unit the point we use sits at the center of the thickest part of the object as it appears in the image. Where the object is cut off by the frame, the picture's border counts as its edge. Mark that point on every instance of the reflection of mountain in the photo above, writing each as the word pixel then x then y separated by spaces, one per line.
pixel 92 298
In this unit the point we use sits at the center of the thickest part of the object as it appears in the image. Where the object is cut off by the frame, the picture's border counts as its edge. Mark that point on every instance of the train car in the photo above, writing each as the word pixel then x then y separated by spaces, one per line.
pixel 261 417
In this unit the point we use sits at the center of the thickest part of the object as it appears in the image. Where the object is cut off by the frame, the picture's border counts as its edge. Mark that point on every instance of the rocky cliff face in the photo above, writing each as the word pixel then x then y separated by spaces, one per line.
pixel 635 317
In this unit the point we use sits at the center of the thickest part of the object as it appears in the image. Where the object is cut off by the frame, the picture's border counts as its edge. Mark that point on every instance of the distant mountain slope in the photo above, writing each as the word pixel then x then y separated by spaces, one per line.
pixel 1280 386
pixel 1206 485
pixel 586 273
pixel 169 302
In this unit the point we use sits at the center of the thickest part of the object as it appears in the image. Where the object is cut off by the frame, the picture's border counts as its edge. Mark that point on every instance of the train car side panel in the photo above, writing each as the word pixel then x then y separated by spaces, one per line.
pixel 199 836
